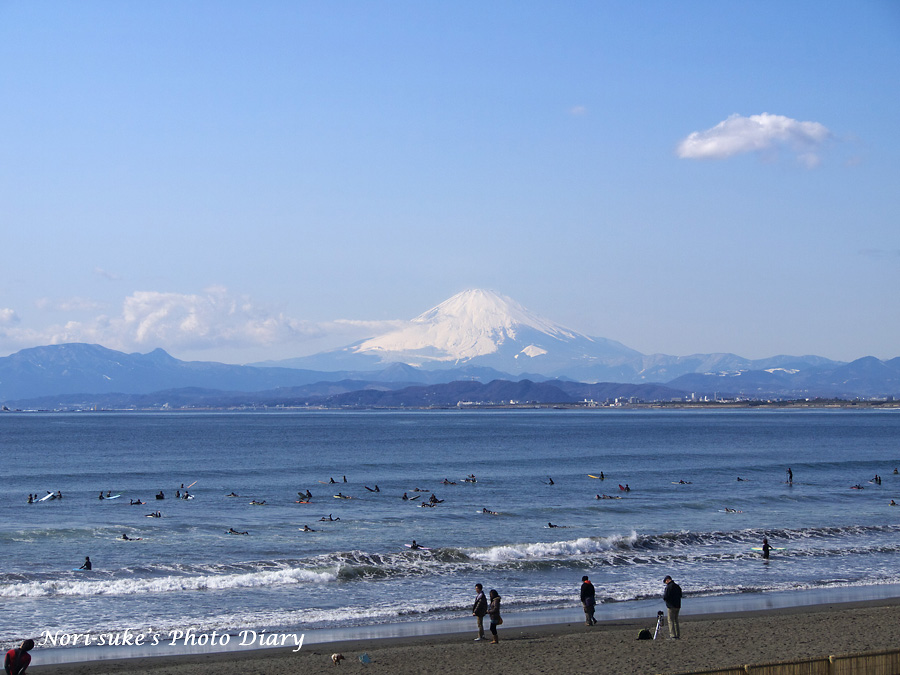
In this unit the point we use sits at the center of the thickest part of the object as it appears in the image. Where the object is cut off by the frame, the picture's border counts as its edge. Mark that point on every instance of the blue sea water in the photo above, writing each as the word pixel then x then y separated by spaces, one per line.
pixel 187 573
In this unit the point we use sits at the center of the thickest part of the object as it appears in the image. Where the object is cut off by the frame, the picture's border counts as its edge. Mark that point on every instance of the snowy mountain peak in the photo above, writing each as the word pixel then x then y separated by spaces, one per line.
pixel 488 311
pixel 472 323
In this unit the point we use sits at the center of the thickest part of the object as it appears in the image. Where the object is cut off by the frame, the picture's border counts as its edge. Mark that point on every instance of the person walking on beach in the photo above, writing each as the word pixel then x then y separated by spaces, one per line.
pixel 672 598
pixel 494 612
pixel 17 659
pixel 588 601
pixel 479 609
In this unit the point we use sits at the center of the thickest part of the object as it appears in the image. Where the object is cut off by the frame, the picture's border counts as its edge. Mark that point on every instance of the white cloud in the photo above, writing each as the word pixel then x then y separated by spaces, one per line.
pixel 73 304
pixel 578 110
pixel 8 316
pixel 213 322
pixel 758 133
pixel 112 276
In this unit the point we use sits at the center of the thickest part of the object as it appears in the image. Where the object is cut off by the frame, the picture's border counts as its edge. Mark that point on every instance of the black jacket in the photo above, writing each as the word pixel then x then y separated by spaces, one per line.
pixel 672 595
pixel 587 593
pixel 481 605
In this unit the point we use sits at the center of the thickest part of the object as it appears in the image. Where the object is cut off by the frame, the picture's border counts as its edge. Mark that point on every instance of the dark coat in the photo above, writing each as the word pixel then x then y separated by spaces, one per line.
pixel 587 594
pixel 672 595
pixel 481 605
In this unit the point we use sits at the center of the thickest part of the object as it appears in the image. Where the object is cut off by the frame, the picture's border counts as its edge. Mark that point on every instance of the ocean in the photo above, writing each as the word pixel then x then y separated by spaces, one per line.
pixel 686 514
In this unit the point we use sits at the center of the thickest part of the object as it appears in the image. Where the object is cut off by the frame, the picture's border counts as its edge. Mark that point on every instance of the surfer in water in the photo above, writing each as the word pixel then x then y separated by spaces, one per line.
pixel 491 513
pixel 87 564
pixel 231 530
pixel 127 538
pixel 551 481
pixel 790 476
pixel 329 518
pixel 765 548
pixel 405 497
pixel 552 525
pixel 307 528
pixel 414 545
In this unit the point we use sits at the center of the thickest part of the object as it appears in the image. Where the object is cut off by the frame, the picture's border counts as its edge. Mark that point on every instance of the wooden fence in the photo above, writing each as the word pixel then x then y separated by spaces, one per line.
pixel 875 663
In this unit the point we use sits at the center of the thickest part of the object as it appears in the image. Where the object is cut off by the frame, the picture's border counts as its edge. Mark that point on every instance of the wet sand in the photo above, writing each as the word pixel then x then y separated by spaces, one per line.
pixel 707 641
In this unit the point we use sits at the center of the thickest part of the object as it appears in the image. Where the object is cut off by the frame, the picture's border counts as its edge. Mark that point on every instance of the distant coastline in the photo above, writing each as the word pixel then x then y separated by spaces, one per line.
pixel 815 404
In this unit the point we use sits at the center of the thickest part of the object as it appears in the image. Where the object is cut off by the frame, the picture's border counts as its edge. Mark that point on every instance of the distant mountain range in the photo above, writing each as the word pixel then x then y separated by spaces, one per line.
pixel 483 328
pixel 477 346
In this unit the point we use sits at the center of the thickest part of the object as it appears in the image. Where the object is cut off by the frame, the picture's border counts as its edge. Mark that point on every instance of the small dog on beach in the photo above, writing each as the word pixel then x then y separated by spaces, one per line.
pixel 337 658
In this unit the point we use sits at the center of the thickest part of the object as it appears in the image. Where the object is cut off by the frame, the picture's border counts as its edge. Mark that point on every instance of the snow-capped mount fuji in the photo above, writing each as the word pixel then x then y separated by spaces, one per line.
pixel 470 324
pixel 479 328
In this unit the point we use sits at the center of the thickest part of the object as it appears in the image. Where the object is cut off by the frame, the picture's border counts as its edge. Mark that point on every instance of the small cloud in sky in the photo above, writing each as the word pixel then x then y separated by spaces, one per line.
pixel 112 276
pixel 73 304
pixel 578 110
pixel 765 133
pixel 8 316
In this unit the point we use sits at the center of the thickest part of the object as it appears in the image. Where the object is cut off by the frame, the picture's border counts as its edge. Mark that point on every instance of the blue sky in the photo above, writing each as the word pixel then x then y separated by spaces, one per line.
pixel 242 181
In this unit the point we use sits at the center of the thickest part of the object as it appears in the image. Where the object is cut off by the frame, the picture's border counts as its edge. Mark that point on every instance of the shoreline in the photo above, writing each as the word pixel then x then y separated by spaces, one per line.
pixel 516 618
pixel 709 640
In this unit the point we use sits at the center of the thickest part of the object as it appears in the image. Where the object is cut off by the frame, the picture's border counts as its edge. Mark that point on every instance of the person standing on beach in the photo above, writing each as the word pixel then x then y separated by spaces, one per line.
pixel 17 659
pixel 672 598
pixel 494 612
pixel 479 609
pixel 588 601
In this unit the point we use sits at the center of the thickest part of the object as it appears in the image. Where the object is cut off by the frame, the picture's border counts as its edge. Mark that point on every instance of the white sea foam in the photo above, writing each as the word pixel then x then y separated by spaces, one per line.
pixel 553 549
pixel 168 584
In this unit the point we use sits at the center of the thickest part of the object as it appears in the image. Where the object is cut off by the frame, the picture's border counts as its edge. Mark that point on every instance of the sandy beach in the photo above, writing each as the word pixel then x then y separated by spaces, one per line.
pixel 708 641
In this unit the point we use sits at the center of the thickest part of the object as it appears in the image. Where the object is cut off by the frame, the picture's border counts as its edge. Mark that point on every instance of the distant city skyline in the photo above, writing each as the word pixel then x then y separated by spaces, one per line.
pixel 236 182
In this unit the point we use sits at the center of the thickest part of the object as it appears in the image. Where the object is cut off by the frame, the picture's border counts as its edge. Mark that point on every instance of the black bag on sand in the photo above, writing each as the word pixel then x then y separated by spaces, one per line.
pixel 645 634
